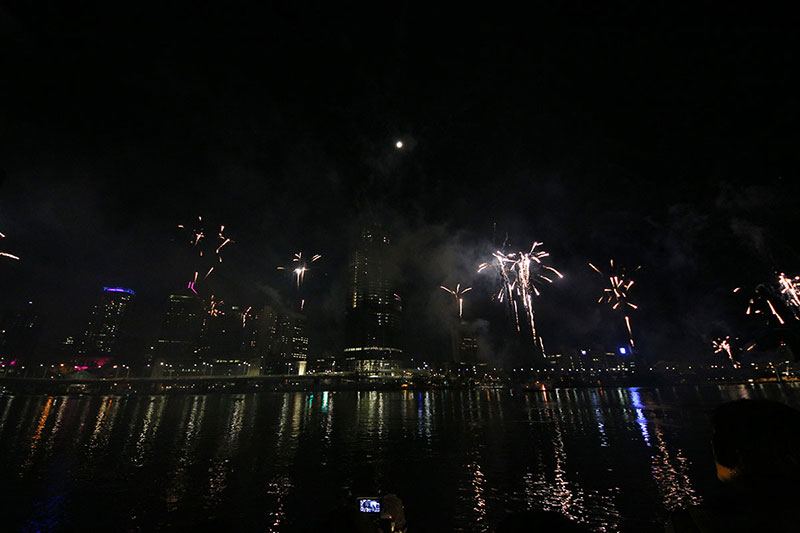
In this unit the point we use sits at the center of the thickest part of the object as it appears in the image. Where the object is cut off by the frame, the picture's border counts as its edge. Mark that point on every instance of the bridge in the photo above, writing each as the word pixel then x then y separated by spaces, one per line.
pixel 197 384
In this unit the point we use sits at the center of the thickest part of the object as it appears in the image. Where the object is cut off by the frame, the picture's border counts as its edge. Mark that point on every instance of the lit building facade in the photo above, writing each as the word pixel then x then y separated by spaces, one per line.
pixel 372 336
pixel 281 339
pixel 105 322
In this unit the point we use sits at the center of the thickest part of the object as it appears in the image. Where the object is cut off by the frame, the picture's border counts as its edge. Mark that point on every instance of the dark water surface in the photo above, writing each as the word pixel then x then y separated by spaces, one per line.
pixel 460 460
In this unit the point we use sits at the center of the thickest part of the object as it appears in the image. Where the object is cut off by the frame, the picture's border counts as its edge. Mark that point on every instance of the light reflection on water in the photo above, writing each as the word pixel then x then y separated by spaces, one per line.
pixel 150 425
pixel 548 487
pixel 671 472
pixel 220 468
pixel 186 442
pixel 461 460
pixel 479 502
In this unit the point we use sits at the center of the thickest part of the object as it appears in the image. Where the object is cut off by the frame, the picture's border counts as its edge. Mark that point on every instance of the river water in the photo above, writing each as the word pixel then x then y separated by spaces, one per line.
pixel 461 460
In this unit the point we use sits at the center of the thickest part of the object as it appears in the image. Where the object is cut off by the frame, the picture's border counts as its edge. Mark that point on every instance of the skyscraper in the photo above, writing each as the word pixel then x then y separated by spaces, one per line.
pixel 468 349
pixel 19 333
pixel 106 319
pixel 224 332
pixel 291 343
pixel 283 334
pixel 182 327
pixel 372 340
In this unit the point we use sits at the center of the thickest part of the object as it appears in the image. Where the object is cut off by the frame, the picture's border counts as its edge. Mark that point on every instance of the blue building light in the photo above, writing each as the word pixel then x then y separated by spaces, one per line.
pixel 623 350
pixel 118 289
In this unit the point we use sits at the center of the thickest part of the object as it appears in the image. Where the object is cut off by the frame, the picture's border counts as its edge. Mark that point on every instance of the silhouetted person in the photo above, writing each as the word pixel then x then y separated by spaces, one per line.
pixel 756 446
pixel 347 518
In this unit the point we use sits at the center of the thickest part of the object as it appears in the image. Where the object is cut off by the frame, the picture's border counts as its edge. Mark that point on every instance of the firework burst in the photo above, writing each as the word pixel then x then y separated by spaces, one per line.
pixel 616 294
pixel 458 294
pixel 299 267
pixel 520 273
pixel 790 287
pixel 215 307
pixel 724 346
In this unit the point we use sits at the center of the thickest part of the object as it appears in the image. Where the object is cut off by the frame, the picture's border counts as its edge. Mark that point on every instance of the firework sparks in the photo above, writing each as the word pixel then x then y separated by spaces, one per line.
pixel 225 240
pixel 759 303
pixel 214 307
pixel 6 254
pixel 458 294
pixel 724 346
pixel 520 272
pixel 616 294
pixel 790 287
pixel 198 241
pixel 299 270
pixel 197 233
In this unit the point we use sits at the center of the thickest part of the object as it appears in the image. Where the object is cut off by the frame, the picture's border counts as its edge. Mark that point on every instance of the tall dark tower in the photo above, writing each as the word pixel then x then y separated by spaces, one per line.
pixel 372 342
pixel 105 321
pixel 182 327
pixel 19 333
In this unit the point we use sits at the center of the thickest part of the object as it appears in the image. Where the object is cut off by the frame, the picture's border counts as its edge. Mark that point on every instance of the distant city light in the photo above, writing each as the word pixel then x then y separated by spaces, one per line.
pixel 623 350
pixel 399 144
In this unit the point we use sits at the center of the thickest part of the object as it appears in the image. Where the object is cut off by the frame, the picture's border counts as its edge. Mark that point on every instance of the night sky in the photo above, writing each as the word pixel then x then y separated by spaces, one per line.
pixel 666 139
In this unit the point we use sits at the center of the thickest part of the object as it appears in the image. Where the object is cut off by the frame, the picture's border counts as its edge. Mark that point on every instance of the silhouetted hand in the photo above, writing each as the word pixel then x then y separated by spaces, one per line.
pixel 394 508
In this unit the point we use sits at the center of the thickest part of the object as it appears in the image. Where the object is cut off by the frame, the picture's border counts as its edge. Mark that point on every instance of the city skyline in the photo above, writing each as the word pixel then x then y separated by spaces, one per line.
pixel 287 333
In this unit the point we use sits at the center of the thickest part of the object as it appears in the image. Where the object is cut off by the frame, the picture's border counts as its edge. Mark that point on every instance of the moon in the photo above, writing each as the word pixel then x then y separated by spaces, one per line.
pixel 399 144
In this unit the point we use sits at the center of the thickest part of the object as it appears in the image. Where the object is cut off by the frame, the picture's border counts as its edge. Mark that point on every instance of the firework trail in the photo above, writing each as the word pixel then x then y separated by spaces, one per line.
pixel 616 294
pixel 192 283
pixel 724 346
pixel 198 240
pixel 790 287
pixel 458 294
pixel 244 316
pixel 520 272
pixel 225 240
pixel 300 268
pixel 6 254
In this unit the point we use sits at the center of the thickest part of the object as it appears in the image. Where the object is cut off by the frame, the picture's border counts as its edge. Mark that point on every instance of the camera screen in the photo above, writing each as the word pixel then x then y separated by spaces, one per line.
pixel 368 505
